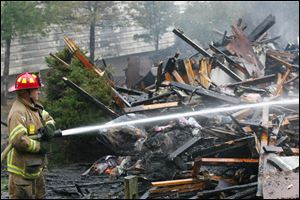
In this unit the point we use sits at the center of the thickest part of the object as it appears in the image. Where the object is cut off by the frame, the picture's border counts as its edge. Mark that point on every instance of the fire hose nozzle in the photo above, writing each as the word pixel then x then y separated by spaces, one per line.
pixel 58 133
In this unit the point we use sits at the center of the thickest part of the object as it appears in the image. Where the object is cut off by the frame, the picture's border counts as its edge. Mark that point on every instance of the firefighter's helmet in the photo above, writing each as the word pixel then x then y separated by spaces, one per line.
pixel 25 81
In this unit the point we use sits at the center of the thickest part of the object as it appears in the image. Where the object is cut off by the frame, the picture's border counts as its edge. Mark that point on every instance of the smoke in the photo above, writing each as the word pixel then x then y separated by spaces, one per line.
pixel 200 19
pixel 286 18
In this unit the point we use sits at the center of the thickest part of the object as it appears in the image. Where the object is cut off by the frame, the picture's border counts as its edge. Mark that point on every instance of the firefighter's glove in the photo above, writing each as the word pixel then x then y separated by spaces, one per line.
pixel 47 132
pixel 44 147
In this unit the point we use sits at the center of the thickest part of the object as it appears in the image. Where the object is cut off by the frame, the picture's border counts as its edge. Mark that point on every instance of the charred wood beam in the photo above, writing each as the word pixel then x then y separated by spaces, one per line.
pixel 175 182
pixel 159 75
pixel 275 149
pixel 267 23
pixel 228 59
pixel 90 98
pixel 242 194
pixel 86 184
pixel 129 91
pixel 268 40
pixel 205 92
pixel 255 81
pixel 208 193
pixel 219 148
pixel 224 37
pixel 228 161
pixel 118 97
pixel 220 161
pixel 263 155
pixel 150 100
pixel 206 54
pixel 60 60
pixel 181 186
pixel 283 62
pixel 251 124
pixel 291 80
pixel 189 144
pixel 220 133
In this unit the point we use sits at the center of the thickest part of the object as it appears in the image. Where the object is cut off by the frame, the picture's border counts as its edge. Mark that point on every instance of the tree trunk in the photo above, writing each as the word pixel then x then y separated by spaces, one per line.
pixel 5 71
pixel 92 39
pixel 157 43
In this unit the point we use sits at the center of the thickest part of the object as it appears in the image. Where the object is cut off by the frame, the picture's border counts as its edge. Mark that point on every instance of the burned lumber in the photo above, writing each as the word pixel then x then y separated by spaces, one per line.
pixel 254 81
pixel 242 194
pixel 208 193
pixel 119 98
pixel 223 147
pixel 189 144
pixel 240 45
pixel 151 107
pixel 228 59
pixel 199 161
pixel 228 135
pixel 159 75
pixel 150 100
pixel 86 184
pixel 206 54
pixel 60 60
pixel 267 23
pixel 205 92
pixel 129 91
pixel 92 99
pixel 181 186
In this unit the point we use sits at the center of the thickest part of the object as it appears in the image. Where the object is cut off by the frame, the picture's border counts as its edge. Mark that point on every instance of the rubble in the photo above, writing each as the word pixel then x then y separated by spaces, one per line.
pixel 229 155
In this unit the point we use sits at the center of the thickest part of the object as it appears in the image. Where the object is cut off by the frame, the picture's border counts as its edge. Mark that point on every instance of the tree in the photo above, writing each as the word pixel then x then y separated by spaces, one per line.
pixel 154 16
pixel 71 110
pixel 64 103
pixel 23 19
pixel 18 18
pixel 91 14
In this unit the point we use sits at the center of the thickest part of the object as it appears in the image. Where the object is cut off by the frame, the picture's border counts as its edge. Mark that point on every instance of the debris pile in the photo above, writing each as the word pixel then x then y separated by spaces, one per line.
pixel 247 153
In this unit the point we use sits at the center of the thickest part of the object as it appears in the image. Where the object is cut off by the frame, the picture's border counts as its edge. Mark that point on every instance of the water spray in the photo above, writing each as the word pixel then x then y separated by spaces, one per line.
pixel 76 131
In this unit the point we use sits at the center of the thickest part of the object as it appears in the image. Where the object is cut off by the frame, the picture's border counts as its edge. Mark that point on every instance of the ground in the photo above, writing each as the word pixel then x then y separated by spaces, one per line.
pixel 60 184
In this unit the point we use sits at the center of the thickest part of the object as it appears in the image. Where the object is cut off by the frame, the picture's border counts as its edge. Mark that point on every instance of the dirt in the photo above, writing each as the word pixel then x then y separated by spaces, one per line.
pixel 281 185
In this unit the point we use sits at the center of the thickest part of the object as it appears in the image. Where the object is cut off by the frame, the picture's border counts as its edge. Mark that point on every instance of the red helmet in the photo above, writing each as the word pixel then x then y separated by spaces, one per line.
pixel 26 81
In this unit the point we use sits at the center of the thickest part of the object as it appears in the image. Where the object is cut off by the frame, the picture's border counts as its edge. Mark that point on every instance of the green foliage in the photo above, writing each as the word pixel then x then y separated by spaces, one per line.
pixel 68 108
pixel 154 16
pixel 19 18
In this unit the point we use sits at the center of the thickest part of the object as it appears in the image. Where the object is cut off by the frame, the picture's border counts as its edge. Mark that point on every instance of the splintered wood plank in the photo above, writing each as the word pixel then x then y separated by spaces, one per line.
pixel 263 142
pixel 151 107
pixel 189 71
pixel 177 76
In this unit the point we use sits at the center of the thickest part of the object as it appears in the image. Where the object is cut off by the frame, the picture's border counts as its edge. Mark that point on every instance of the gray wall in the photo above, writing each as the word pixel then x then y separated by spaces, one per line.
pixel 29 54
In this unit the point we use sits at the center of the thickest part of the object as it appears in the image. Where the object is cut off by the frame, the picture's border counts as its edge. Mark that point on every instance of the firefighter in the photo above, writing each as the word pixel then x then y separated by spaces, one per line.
pixel 27 159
